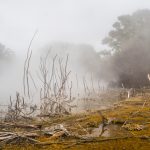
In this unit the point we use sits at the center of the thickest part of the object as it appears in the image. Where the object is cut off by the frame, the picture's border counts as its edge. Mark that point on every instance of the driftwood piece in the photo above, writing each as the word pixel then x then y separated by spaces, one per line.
pixel 58 135
pixel 91 140
pixel 14 125
pixel 16 138
pixel 57 131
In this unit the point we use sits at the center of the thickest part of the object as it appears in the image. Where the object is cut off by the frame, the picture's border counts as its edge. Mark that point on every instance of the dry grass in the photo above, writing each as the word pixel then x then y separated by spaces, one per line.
pixel 130 111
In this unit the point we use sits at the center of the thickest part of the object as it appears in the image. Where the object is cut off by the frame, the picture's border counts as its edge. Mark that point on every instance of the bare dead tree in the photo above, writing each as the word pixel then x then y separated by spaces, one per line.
pixel 27 74
pixel 92 84
pixel 18 109
pixel 55 95
pixel 26 68
pixel 87 87
pixel 84 85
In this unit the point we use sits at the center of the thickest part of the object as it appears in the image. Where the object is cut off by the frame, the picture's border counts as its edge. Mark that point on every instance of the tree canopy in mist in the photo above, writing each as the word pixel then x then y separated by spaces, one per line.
pixel 6 56
pixel 130 41
pixel 5 53
pixel 127 28
pixel 83 59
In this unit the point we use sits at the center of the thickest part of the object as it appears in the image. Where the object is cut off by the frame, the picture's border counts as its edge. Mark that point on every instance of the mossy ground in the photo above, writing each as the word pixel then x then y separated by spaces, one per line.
pixel 132 111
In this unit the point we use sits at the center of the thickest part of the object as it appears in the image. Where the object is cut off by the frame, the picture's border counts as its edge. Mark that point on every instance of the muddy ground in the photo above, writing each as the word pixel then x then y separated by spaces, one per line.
pixel 124 126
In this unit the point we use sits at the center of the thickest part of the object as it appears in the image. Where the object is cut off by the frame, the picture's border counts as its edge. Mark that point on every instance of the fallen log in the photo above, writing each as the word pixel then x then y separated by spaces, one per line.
pixel 88 140
pixel 15 138
pixel 11 125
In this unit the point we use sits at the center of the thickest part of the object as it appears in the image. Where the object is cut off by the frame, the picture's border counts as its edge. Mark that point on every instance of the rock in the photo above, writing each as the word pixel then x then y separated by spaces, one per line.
pixel 56 131
pixel 58 135
pixel 133 127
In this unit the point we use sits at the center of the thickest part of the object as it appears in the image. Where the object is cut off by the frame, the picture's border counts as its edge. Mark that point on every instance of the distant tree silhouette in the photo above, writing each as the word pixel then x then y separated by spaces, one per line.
pixel 130 41
pixel 5 53
pixel 129 28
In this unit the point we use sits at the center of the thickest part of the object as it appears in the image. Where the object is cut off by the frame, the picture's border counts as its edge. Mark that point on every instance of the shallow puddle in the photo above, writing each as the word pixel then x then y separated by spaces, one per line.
pixel 111 130
pixel 96 132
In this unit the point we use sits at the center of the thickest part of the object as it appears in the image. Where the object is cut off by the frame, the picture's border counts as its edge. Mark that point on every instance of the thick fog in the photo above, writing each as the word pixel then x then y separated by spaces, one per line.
pixel 77 21
pixel 65 27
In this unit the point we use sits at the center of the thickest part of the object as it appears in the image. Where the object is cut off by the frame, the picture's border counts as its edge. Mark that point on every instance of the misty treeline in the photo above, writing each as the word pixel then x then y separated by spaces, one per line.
pixel 6 55
pixel 125 62
pixel 129 41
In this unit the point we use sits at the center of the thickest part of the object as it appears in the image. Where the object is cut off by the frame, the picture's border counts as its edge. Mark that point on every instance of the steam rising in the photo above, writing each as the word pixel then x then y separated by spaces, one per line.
pixel 130 66
pixel 80 26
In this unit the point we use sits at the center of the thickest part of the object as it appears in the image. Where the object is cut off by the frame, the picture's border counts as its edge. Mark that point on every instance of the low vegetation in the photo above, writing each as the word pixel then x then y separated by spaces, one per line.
pixel 124 125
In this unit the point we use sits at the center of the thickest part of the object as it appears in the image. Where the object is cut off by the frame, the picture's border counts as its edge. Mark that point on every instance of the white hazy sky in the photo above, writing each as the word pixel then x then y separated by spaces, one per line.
pixel 77 21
